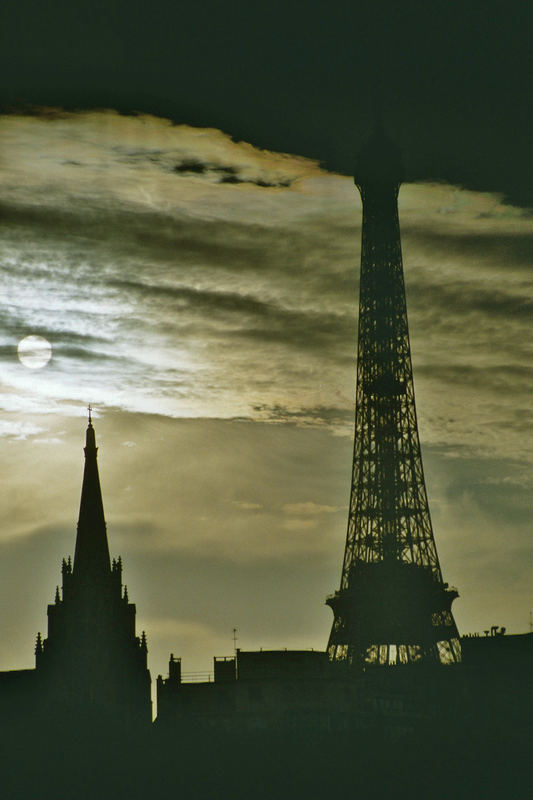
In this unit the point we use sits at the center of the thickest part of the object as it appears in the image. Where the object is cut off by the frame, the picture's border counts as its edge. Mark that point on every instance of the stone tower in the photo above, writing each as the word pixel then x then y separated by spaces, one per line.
pixel 92 666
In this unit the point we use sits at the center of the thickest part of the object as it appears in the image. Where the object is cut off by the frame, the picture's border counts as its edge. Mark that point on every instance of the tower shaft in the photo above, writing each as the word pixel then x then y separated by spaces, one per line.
pixel 392 606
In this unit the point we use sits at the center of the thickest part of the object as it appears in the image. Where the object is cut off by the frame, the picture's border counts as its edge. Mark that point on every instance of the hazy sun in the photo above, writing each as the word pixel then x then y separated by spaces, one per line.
pixel 34 351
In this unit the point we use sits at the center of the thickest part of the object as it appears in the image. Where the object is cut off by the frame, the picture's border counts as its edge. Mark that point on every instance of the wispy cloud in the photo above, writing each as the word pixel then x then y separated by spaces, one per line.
pixel 310 508
pixel 202 294
pixel 179 272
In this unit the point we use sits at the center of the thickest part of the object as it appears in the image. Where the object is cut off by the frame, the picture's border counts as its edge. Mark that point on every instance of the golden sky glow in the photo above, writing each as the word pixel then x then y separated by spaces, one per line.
pixel 201 294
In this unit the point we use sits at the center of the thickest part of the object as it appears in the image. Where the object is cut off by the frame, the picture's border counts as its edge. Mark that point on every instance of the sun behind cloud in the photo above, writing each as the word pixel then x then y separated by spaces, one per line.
pixel 34 352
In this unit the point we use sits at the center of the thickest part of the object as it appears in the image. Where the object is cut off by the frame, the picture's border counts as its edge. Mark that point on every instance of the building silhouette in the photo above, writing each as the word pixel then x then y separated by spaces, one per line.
pixel 91 670
pixel 93 661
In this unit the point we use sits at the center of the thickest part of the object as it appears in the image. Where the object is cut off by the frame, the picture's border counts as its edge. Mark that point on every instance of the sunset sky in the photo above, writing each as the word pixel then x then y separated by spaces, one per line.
pixel 194 265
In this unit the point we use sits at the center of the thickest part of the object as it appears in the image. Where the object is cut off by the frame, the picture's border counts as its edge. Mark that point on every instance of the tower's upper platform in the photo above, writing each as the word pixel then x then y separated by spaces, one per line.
pixel 378 162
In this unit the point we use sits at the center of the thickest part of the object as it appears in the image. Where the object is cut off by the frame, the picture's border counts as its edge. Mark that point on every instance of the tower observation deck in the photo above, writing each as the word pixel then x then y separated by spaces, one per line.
pixel 393 606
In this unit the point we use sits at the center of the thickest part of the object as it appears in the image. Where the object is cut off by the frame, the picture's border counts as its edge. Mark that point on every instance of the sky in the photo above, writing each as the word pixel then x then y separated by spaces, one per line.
pixel 178 220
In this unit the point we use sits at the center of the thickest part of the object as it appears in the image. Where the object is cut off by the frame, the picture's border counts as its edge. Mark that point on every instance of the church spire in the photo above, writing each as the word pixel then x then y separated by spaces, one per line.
pixel 91 557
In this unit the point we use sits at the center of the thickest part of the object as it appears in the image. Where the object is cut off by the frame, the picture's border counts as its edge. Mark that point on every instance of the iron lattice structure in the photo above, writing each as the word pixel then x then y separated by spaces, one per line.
pixel 392 606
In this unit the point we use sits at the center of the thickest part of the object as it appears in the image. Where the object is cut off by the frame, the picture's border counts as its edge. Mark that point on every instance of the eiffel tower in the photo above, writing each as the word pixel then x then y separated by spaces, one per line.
pixel 393 606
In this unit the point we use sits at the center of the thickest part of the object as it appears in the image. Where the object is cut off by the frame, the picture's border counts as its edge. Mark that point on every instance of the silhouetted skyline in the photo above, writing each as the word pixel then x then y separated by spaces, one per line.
pixel 201 293
pixel 212 325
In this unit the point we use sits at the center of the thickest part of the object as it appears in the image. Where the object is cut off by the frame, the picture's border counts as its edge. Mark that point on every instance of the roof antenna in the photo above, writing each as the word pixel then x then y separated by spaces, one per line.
pixel 89 409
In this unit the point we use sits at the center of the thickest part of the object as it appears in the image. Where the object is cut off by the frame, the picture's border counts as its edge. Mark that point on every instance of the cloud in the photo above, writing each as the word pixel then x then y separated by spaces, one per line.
pixel 338 419
pixel 213 326
pixel 152 295
pixel 296 524
pixel 226 174
pixel 310 508
pixel 167 292
pixel 19 429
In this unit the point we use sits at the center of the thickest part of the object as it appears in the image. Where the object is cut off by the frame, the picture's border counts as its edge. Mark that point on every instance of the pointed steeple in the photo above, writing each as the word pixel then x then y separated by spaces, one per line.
pixel 91 557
